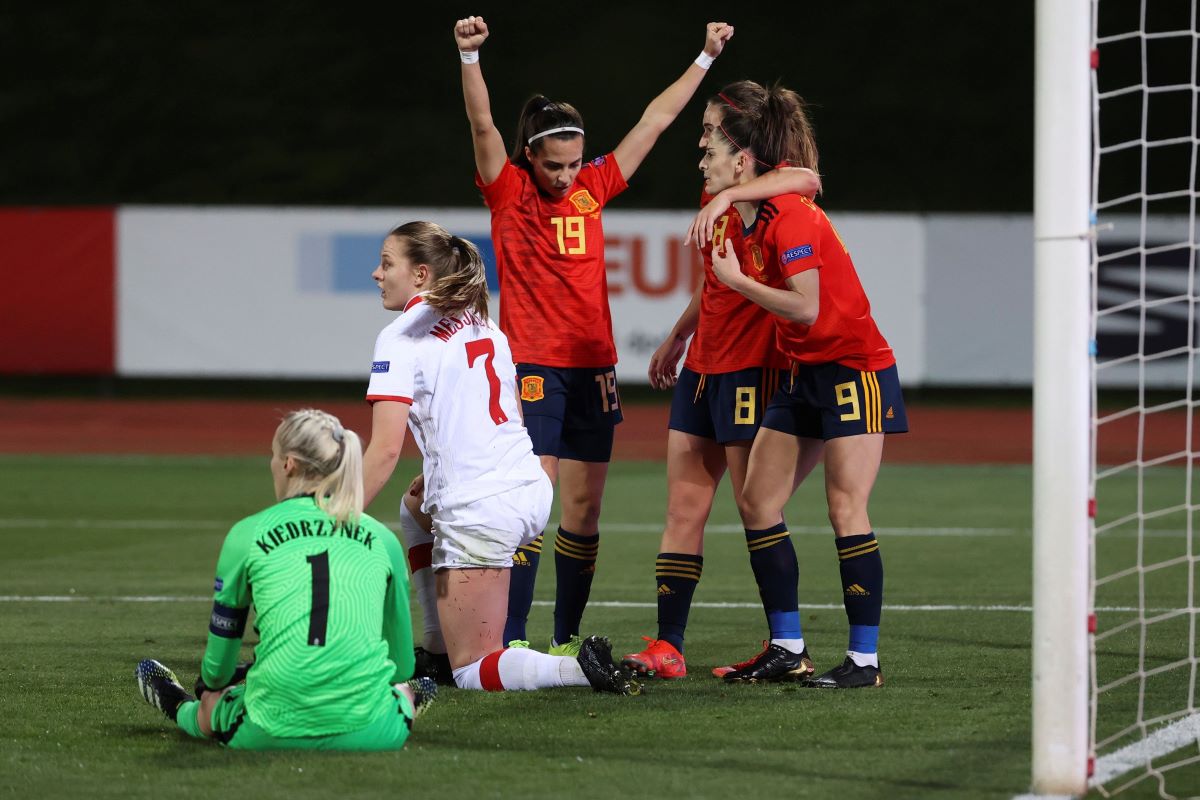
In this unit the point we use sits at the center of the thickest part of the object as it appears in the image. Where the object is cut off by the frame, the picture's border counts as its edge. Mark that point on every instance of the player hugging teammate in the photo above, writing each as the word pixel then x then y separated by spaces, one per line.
pixel 840 398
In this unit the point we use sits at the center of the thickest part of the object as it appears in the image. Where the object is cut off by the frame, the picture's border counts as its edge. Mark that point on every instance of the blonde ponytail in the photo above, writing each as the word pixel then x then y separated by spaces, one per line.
pixel 330 458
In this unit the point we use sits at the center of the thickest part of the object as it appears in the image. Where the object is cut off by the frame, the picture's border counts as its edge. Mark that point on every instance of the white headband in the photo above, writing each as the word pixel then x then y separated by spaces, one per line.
pixel 566 129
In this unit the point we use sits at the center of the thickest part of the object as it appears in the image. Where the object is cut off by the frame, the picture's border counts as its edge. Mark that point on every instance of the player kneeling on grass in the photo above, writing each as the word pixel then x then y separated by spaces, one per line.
pixel 443 369
pixel 330 589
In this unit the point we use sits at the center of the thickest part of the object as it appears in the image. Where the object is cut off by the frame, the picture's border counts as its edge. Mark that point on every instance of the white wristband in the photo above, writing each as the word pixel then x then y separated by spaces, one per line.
pixel 704 60
pixel 469 56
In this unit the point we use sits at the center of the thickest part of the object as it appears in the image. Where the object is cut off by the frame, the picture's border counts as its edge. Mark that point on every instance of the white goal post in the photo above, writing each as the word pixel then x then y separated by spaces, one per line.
pixel 1116 573
pixel 1062 395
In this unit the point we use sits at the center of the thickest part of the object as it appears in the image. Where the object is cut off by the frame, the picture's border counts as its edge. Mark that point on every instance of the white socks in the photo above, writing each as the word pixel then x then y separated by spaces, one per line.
pixel 791 645
pixel 864 659
pixel 419 544
pixel 520 669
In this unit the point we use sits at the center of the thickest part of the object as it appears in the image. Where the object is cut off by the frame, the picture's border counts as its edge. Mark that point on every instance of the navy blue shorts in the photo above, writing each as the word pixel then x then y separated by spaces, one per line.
pixel 725 407
pixel 826 401
pixel 570 412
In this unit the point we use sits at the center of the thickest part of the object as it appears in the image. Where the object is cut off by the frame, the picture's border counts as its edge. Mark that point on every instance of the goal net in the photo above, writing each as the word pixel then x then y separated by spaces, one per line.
pixel 1144 722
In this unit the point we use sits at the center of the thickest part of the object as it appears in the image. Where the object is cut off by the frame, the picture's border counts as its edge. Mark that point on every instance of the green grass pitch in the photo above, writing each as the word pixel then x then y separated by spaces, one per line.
pixel 131 542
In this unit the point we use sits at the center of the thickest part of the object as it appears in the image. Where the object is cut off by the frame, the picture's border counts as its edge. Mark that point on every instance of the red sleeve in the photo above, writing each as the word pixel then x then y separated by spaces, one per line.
pixel 602 177
pixel 795 240
pixel 505 189
pixel 375 398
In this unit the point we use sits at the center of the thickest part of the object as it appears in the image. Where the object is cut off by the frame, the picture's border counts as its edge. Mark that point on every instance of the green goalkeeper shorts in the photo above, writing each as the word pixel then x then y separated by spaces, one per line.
pixel 232 727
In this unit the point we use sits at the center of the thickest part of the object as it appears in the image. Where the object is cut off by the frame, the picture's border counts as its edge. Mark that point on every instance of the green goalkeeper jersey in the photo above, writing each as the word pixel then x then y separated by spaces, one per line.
pixel 332 614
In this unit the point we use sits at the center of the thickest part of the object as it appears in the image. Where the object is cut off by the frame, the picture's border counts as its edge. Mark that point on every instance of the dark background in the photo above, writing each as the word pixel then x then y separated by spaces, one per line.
pixel 922 106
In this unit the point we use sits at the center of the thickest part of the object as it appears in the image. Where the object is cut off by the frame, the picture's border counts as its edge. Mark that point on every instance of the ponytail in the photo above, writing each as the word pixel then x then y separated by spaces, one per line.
pixel 459 276
pixel 464 285
pixel 330 457
pixel 340 494
pixel 769 125
pixel 785 134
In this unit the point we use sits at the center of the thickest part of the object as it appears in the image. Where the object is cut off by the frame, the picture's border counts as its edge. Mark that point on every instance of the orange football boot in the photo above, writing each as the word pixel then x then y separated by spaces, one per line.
pixel 660 659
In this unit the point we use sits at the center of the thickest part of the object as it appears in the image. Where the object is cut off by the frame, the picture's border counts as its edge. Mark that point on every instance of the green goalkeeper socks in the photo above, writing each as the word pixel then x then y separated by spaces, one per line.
pixel 187 718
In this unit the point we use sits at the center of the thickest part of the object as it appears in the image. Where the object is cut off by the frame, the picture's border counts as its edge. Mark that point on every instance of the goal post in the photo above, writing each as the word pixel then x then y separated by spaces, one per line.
pixel 1062 395
pixel 1116 495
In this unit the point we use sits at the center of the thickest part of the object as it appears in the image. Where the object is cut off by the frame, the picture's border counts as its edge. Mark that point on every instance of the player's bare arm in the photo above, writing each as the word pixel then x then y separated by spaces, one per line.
pixel 389 424
pixel 800 302
pixel 788 180
pixel 663 109
pixel 490 155
pixel 664 364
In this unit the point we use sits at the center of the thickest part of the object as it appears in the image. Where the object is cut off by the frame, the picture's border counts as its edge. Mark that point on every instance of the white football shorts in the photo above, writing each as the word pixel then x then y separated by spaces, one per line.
pixel 487 532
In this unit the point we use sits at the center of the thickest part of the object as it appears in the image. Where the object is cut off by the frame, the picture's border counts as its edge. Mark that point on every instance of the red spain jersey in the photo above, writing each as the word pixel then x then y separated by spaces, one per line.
pixel 732 333
pixel 792 235
pixel 550 261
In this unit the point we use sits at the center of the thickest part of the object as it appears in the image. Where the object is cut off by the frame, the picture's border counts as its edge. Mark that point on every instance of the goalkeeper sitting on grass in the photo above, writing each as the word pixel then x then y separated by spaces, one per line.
pixel 330 589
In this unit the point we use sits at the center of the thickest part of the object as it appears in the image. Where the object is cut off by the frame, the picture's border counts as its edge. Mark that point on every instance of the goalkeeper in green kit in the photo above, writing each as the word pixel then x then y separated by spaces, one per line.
pixel 329 586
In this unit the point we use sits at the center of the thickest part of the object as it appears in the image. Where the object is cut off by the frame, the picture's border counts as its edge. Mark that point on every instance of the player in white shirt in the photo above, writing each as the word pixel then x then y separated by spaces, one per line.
pixel 444 370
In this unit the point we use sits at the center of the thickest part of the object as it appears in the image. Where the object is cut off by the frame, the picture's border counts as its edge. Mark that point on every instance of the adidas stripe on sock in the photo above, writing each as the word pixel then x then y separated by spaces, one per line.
pixel 574 566
pixel 773 560
pixel 521 580
pixel 861 567
pixel 676 575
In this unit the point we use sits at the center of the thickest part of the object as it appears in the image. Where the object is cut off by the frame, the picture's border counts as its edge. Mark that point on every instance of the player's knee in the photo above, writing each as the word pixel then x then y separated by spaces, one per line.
pixel 580 512
pixel 846 514
pixel 682 538
pixel 685 522
pixel 752 506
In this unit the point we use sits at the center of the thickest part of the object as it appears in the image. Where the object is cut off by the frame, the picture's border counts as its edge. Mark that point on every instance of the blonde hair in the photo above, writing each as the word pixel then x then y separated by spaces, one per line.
pixel 330 459
pixel 459 277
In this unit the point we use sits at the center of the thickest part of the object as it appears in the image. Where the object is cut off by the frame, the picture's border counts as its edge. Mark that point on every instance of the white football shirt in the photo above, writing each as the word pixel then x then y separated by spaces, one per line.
pixel 457 373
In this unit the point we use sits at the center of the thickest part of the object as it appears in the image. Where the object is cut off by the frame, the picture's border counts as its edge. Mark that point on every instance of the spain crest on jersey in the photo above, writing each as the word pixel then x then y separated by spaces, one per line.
pixel 584 202
pixel 532 388
pixel 756 259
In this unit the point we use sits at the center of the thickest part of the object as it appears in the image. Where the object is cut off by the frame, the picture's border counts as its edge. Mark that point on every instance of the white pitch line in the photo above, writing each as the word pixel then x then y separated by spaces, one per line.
pixel 636 527
pixel 155 598
pixel 616 527
pixel 838 606
pixel 806 606
pixel 43 523
pixel 112 524
pixel 1166 739
pixel 82 598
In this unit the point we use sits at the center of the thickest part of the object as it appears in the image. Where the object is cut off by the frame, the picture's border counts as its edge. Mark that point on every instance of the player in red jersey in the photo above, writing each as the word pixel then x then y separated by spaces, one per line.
pixel 546 206
pixel 842 396
pixel 732 368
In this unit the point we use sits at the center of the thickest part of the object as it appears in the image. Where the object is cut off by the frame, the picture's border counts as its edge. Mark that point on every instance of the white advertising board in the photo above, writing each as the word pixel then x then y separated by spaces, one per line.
pixel 287 293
